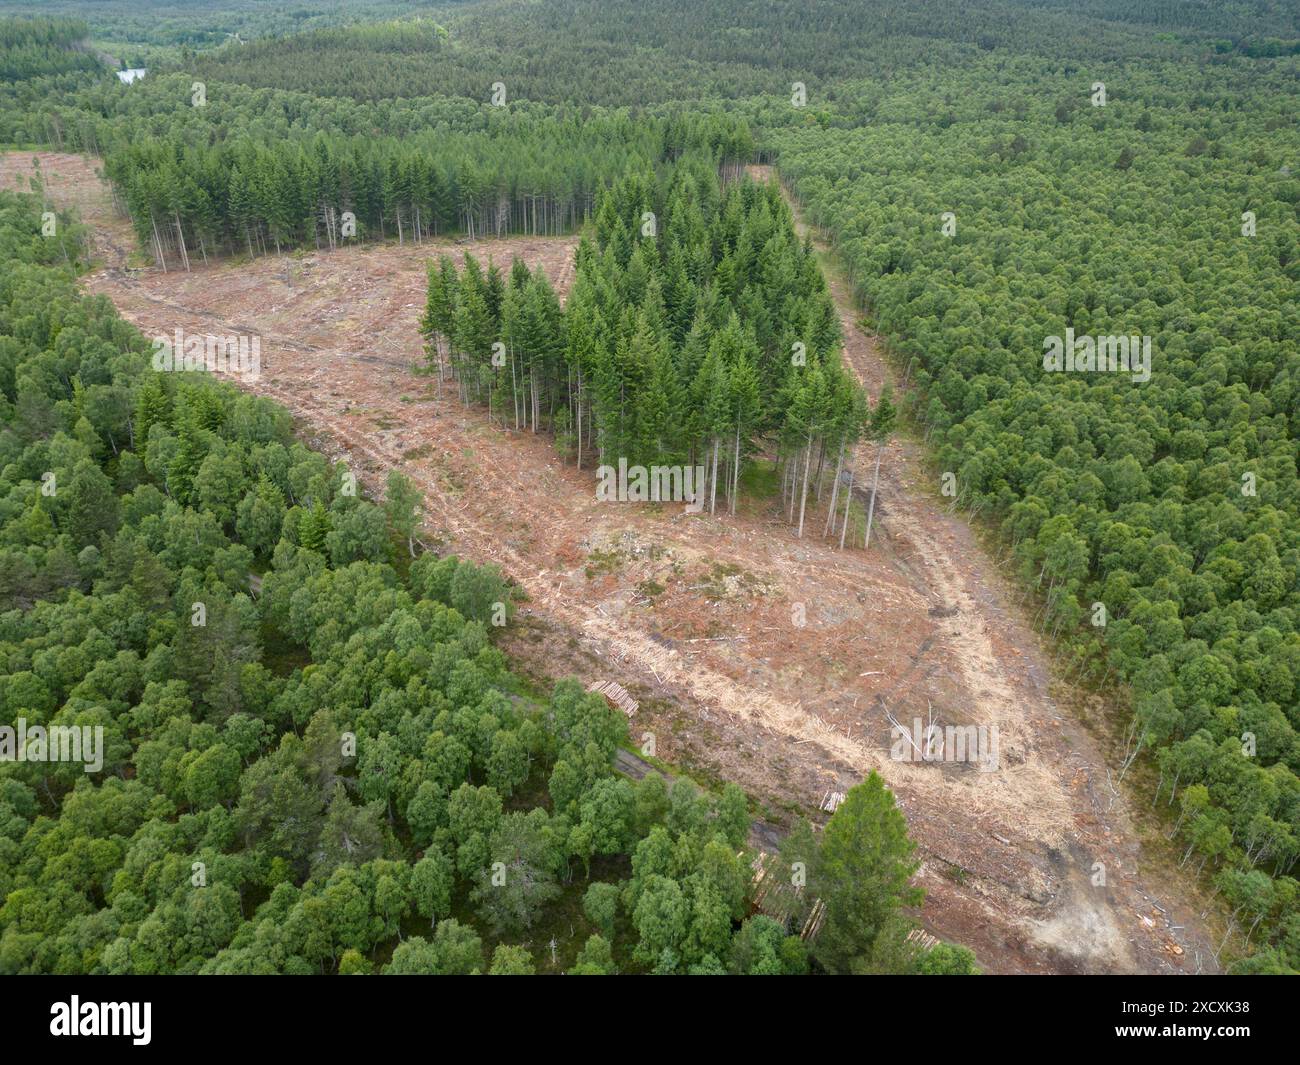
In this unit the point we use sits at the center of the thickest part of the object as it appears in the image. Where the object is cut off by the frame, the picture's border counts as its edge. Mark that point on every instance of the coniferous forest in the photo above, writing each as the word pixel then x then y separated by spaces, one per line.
pixel 318 758
pixel 691 354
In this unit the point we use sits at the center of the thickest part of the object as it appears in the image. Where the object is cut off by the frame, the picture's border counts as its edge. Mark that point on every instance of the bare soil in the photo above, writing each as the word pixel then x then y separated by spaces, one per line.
pixel 697 615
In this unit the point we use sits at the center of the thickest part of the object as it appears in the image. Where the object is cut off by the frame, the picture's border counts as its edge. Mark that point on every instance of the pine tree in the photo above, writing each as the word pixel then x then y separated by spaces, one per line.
pixel 474 330
pixel 862 873
pixel 582 326
pixel 184 466
pixel 436 322
pixel 711 395
pixel 805 422
pixel 545 326
pixel 746 406
pixel 658 435
pixel 882 424
pixel 314 525
pixel 153 407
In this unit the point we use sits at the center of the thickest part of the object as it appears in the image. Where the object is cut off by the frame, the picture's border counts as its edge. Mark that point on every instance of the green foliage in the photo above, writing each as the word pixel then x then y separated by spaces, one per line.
pixel 946 959
pixel 762 948
pixel 511 961
pixel 862 874
pixel 674 346
pixel 669 351
pixel 31 47
pixel 595 959
pixel 350 795
pixel 600 904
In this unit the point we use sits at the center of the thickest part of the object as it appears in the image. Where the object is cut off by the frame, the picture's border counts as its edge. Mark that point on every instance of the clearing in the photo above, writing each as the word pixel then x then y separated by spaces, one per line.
pixel 695 615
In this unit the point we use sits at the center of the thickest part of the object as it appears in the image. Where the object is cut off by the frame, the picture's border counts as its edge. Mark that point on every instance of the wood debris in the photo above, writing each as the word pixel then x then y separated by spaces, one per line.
pixel 615 694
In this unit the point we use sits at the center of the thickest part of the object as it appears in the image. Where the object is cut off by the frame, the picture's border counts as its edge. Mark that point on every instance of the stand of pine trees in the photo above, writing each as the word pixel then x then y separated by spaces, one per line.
pixel 36 47
pixel 188 198
pixel 699 332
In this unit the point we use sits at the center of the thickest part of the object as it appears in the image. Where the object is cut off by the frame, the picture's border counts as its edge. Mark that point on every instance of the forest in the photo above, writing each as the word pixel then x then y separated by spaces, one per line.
pixel 987 178
pixel 138 32
pixel 325 774
pixel 706 343
pixel 518 175
pixel 31 47
pixel 1167 511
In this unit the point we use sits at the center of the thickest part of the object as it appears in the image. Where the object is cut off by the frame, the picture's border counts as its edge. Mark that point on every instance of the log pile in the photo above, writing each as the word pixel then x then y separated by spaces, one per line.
pixel 615 694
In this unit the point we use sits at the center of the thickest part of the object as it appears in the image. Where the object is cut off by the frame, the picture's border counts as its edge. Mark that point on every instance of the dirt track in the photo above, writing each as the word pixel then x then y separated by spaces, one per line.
pixel 730 686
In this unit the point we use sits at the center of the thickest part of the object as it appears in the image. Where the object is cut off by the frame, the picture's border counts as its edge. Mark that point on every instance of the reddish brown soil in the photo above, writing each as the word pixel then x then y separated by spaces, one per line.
pixel 695 614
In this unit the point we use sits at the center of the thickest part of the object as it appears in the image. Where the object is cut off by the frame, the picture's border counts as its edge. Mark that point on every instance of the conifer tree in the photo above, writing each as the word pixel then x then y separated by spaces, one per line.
pixel 314 526
pixel 746 406
pixel 882 424
pixel 862 871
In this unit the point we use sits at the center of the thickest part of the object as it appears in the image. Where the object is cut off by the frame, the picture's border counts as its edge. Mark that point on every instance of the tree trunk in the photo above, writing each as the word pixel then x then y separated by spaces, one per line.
pixel 835 494
pixel 180 237
pixel 579 419
pixel 848 498
pixel 713 496
pixel 157 241
pixel 735 473
pixel 803 497
pixel 871 508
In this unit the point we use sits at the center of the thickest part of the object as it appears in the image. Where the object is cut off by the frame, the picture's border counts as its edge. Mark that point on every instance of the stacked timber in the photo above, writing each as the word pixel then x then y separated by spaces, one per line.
pixel 615 694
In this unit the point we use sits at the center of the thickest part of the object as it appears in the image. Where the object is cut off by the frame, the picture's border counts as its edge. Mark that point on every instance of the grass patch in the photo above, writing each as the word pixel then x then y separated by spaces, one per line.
pixel 759 480
pixel 601 561
pixel 727 580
